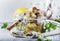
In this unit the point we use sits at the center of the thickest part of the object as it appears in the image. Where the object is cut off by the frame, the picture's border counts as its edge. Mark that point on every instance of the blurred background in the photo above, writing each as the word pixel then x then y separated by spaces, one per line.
pixel 8 7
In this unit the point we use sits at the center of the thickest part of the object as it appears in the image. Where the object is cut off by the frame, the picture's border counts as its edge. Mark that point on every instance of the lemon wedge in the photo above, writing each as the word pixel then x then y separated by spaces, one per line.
pixel 20 11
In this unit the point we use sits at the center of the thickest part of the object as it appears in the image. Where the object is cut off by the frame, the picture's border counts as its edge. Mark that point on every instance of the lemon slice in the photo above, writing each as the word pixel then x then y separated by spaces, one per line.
pixel 20 11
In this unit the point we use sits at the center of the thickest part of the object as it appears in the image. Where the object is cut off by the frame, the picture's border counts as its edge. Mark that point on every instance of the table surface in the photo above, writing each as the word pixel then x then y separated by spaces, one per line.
pixel 5 35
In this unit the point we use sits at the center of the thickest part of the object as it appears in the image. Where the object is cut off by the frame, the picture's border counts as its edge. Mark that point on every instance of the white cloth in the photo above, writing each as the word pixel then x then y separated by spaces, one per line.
pixel 19 16
pixel 41 19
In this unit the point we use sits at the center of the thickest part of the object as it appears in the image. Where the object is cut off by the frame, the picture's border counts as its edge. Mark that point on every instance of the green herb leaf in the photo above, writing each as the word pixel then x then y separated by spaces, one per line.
pixel 58 20
pixel 48 30
pixel 39 39
pixel 48 25
pixel 4 25
pixel 48 40
pixel 54 26
pixel 44 30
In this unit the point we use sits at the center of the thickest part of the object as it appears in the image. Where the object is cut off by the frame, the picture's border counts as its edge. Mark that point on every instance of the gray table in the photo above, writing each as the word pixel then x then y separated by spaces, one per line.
pixel 6 36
